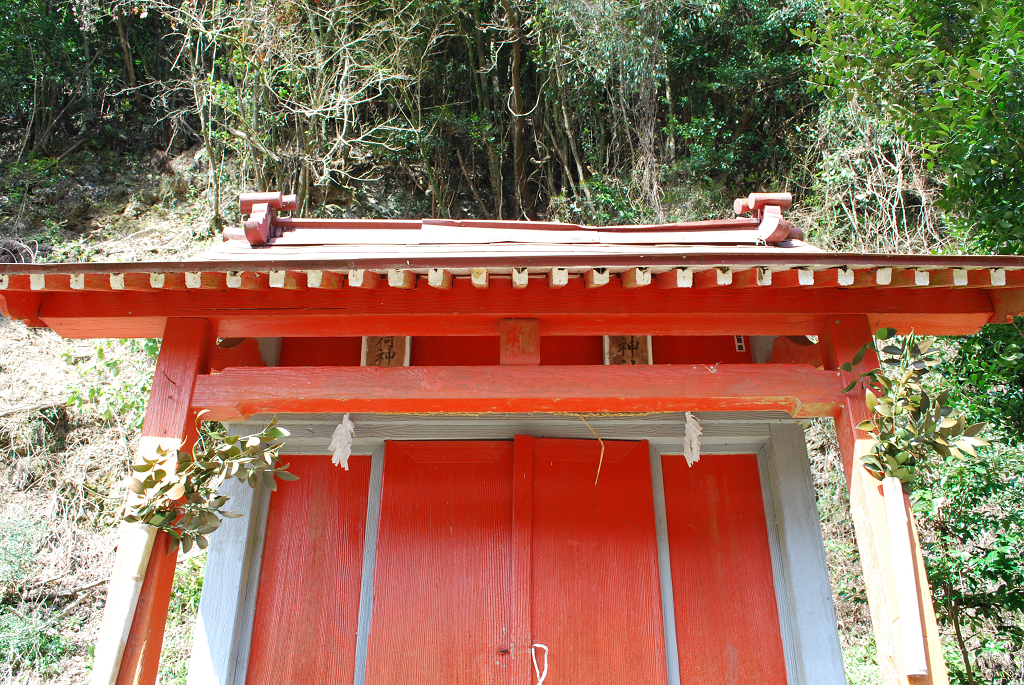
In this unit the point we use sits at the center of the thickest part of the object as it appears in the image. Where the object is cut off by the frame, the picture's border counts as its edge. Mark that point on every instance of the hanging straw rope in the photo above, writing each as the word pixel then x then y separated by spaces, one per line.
pixel 600 460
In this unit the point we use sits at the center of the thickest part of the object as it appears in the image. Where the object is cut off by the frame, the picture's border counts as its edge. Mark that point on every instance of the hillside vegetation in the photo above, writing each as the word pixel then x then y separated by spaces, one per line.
pixel 128 128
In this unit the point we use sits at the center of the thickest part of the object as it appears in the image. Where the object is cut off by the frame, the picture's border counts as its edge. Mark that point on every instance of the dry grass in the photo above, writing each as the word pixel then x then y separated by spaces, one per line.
pixel 61 466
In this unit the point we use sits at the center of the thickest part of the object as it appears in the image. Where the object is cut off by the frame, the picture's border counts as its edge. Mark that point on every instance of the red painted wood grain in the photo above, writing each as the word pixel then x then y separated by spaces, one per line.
pixel 184 353
pixel 308 602
pixel 596 599
pixel 698 349
pixel 522 561
pixel 465 310
pixel 727 619
pixel 442 586
pixel 141 659
pixel 797 388
pixel 328 351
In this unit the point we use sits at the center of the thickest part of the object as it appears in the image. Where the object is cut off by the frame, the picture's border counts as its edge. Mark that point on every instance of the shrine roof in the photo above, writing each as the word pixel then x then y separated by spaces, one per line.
pixel 750 273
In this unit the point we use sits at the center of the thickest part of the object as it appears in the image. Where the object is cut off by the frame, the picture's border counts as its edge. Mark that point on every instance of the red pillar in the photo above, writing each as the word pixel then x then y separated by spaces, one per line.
pixel 184 353
pixel 839 339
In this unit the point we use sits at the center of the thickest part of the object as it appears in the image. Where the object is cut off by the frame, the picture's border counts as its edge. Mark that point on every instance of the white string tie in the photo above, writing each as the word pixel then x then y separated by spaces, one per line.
pixel 533 652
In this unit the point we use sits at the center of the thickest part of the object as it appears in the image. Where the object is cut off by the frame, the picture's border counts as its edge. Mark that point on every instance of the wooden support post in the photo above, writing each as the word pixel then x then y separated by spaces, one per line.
pixel 205 280
pixel 713 278
pixel 174 280
pixel 596 277
pixel 520 277
pixel 247 280
pixel 558 277
pixel 840 338
pixel 128 647
pixel 128 281
pixel 676 278
pixel 520 342
pixel 751 278
pixel 288 280
pixel 637 277
pixel 90 282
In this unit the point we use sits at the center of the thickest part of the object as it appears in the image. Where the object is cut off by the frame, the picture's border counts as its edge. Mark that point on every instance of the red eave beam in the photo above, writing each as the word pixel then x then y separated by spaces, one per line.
pixel 467 310
pixel 799 389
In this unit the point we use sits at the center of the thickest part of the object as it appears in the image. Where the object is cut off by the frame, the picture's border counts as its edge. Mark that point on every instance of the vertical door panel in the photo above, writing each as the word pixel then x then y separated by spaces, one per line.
pixel 596 596
pixel 442 584
pixel 308 602
pixel 727 619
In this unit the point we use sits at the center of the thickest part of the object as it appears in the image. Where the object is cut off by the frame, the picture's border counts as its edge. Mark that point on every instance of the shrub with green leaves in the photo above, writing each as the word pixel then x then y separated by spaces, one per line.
pixel 184 501
pixel 907 424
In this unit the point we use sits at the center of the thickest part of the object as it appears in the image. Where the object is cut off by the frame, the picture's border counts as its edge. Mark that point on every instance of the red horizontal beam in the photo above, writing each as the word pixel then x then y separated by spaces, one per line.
pixel 799 389
pixel 465 310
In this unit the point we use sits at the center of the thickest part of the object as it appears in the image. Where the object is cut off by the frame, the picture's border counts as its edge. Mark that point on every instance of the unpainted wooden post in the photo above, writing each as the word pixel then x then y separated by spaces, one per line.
pixel 840 338
pixel 128 647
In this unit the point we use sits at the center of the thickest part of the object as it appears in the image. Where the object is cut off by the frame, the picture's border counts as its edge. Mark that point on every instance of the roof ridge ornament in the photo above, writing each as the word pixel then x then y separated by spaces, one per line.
pixel 767 208
pixel 262 227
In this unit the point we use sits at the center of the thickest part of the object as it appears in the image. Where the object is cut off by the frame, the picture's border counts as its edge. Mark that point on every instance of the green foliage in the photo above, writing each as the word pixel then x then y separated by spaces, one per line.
pixel 972 512
pixel 860 662
pixel 178 491
pixel 949 73
pixel 112 384
pixel 737 79
pixel 985 376
pixel 608 202
pixel 30 641
pixel 907 424
pixel 181 619
pixel 18 536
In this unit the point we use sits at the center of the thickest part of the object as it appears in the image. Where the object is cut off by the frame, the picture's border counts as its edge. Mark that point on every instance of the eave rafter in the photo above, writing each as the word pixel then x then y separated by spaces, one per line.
pixel 466 309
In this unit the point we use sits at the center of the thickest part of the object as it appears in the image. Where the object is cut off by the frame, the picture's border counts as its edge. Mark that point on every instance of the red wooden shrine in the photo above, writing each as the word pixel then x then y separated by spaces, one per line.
pixel 520 504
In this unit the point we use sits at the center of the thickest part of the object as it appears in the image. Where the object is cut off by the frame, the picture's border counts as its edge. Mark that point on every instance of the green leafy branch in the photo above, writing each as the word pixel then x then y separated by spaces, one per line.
pixel 906 422
pixel 185 503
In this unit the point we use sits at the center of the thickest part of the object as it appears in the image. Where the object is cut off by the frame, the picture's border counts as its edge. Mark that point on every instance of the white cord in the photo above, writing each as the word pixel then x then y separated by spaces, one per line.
pixel 536 668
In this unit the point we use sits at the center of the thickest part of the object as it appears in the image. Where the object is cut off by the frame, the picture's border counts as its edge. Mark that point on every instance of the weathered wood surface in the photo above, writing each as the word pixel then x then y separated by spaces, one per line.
pixel 469 310
pixel 725 601
pixel 307 606
pixel 169 422
pixel 629 350
pixel 841 338
pixel 798 389
pixel 519 342
pixel 215 640
pixel 386 351
pixel 819 660
pixel 442 594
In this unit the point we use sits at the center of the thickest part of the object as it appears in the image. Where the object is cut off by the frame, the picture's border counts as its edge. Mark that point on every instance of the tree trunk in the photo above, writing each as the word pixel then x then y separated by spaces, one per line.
pixel 129 62
pixel 524 200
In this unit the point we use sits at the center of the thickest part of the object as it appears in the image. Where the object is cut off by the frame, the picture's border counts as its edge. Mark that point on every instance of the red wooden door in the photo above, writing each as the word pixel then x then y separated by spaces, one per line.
pixel 727 620
pixel 485 548
pixel 442 586
pixel 481 553
pixel 307 606
pixel 596 601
